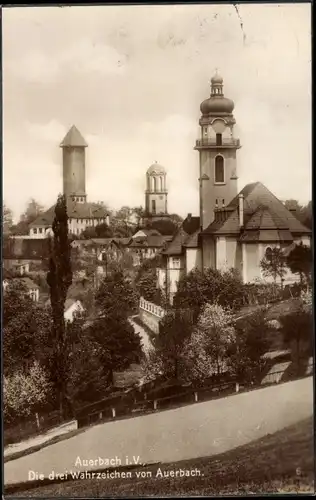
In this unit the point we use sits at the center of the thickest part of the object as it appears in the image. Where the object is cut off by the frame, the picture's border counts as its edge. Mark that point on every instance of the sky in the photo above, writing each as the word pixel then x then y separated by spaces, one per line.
pixel 131 78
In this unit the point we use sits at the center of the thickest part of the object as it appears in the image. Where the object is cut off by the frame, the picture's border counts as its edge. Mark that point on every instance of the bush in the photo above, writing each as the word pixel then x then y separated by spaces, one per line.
pixel 25 392
pixel 261 293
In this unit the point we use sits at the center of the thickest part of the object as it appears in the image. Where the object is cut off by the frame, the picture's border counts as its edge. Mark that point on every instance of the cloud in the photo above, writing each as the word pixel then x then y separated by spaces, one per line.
pixel 52 131
pixel 82 57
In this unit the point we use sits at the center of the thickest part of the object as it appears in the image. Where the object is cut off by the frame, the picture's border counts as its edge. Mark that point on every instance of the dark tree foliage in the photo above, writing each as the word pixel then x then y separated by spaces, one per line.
pixel 212 286
pixel 23 323
pixel 59 279
pixel 174 331
pixel 116 296
pixel 118 344
pixel 300 261
pixel 245 354
pixel 166 226
pixel 297 329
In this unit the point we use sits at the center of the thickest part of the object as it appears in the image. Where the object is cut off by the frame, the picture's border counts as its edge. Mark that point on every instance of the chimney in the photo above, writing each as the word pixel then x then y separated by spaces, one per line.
pixel 241 210
pixel 189 217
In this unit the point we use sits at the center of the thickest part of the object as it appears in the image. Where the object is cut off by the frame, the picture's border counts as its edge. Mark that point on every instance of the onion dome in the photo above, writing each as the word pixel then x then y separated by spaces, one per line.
pixel 217 104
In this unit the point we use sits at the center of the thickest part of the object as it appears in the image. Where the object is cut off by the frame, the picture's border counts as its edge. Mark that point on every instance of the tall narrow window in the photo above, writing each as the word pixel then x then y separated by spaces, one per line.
pixel 218 139
pixel 153 206
pixel 219 169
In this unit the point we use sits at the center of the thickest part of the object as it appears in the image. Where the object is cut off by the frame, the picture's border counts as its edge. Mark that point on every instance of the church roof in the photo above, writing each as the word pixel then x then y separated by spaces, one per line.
pixel 262 212
pixel 75 210
pixel 73 138
pixel 156 168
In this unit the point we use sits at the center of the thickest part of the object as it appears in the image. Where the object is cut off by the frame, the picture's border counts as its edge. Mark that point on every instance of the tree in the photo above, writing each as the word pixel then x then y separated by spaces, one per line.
pixel 245 353
pixel 274 264
pixel 213 333
pixel 24 321
pixel 118 344
pixel 99 231
pixel 297 328
pixel 116 296
pixel 174 331
pixel 146 285
pixel 212 286
pixel 300 261
pixel 32 211
pixel 59 279
pixel 24 392
pixel 164 226
pixel 7 215
pixel 302 212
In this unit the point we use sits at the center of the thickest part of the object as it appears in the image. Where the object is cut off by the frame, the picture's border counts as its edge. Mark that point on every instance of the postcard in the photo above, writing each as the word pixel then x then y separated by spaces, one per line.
pixel 157 263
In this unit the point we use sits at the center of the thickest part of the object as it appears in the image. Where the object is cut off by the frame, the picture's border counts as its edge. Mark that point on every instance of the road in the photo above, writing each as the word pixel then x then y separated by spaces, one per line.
pixel 203 429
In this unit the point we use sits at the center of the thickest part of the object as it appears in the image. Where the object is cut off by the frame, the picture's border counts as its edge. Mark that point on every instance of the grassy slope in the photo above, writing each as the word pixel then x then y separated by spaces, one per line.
pixel 268 465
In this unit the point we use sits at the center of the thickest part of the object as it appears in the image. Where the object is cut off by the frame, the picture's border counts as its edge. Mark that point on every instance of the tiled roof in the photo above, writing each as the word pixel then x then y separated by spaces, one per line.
pixel 27 282
pixel 193 240
pixel 6 273
pixel 261 210
pixel 266 235
pixel 28 249
pixel 75 211
pixel 148 232
pixel 154 241
pixel 73 138
pixel 185 235
pixel 107 241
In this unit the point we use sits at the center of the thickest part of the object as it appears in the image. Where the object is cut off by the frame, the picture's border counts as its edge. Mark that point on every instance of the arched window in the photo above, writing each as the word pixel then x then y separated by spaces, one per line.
pixel 160 183
pixel 269 254
pixel 219 169
pixel 155 183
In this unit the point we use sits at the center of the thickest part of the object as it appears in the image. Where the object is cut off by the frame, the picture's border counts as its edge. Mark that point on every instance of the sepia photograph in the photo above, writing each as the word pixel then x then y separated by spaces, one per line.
pixel 157 262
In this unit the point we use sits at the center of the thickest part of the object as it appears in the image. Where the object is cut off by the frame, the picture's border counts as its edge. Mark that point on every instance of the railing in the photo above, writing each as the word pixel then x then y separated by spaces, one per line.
pixel 208 141
pixel 153 309
pixel 124 408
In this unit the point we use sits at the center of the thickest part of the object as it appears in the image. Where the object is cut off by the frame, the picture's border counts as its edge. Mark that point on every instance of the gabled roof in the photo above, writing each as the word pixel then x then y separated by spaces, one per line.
pixel 27 282
pixel 73 138
pixel 147 232
pixel 187 234
pixel 152 241
pixel 6 273
pixel 75 211
pixel 262 211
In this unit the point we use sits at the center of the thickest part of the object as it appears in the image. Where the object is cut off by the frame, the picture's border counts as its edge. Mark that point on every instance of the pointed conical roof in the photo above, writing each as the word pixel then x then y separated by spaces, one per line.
pixel 73 138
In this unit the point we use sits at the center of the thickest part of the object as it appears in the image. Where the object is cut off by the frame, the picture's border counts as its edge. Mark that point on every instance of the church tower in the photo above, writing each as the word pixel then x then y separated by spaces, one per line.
pixel 217 147
pixel 156 193
pixel 74 166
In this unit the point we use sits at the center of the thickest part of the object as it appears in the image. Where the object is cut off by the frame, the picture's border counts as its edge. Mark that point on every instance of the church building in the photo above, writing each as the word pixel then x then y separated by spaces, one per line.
pixel 234 229
pixel 81 213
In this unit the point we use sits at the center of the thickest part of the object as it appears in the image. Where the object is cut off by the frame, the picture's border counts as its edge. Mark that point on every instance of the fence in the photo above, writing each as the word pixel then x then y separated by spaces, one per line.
pixel 150 314
pixel 14 433
pixel 123 408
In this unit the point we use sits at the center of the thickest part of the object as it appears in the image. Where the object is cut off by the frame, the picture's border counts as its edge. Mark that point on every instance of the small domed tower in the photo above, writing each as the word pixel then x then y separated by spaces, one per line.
pixel 156 193
pixel 217 147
